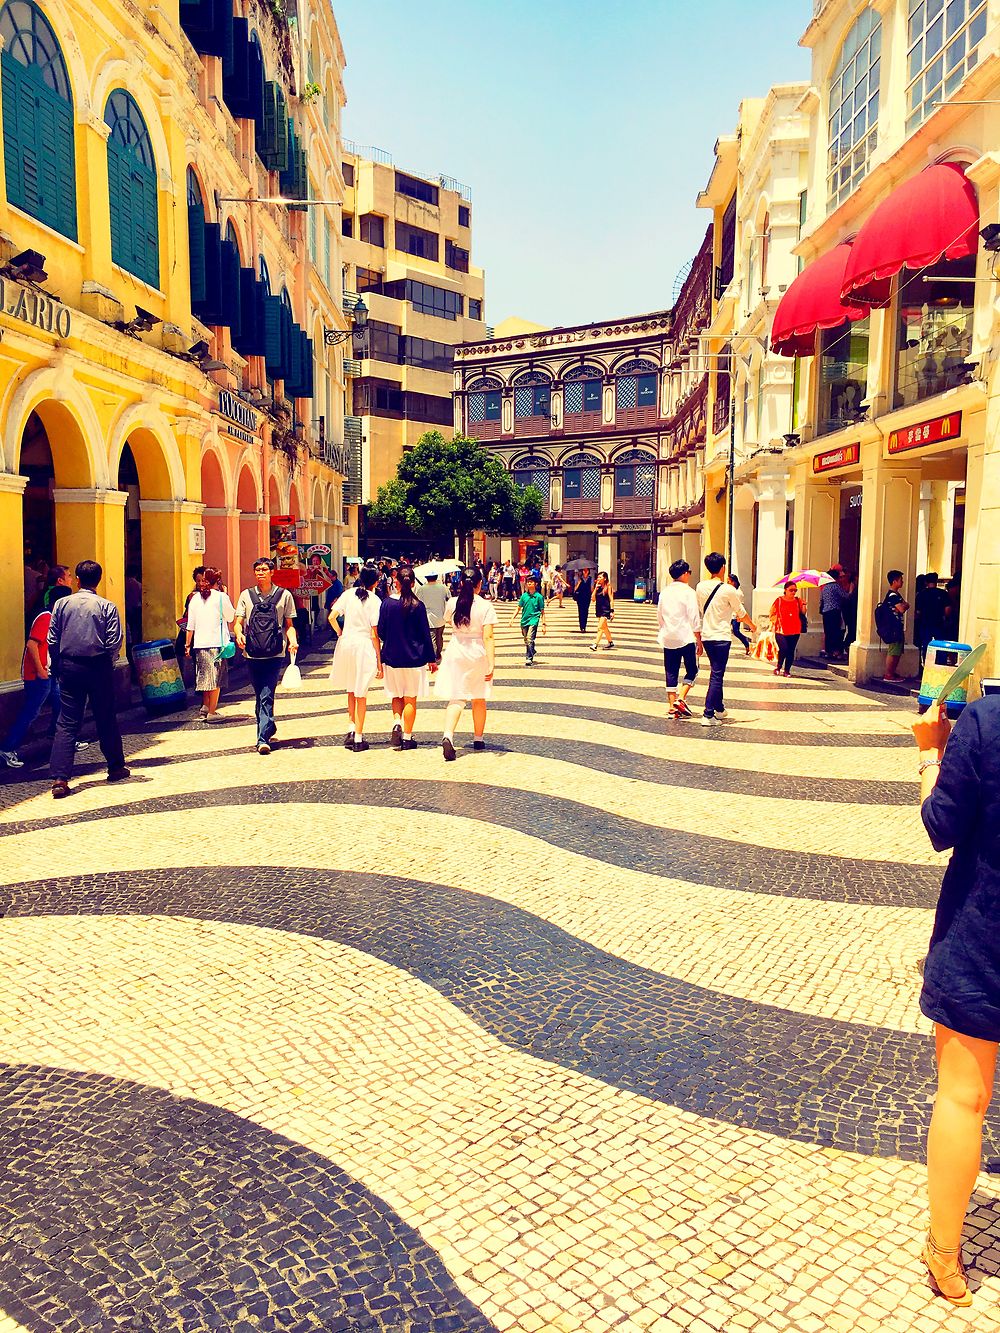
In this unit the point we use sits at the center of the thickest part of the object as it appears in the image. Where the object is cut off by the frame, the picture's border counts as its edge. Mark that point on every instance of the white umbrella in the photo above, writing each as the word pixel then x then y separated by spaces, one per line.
pixel 442 568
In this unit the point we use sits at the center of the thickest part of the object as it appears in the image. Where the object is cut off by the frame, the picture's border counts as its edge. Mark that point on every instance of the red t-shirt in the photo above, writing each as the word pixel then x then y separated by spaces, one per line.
pixel 39 632
pixel 787 615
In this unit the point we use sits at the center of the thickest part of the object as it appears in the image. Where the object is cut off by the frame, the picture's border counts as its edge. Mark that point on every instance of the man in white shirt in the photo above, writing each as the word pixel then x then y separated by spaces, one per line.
pixel 679 636
pixel 720 605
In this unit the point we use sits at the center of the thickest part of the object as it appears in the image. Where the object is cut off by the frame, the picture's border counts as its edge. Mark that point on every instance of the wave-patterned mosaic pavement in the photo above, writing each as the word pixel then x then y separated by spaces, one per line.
pixel 611 1026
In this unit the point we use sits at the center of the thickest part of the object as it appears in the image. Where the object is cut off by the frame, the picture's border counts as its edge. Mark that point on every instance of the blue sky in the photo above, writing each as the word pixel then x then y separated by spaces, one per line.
pixel 584 127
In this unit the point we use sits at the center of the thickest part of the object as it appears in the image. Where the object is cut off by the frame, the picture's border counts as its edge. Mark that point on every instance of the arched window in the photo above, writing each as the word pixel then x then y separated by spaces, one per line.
pixel 583 390
pixel 943 43
pixel 634 475
pixel 854 88
pixel 533 472
pixel 635 385
pixel 232 238
pixel 531 395
pixel 265 277
pixel 39 158
pixel 582 477
pixel 132 191
pixel 485 399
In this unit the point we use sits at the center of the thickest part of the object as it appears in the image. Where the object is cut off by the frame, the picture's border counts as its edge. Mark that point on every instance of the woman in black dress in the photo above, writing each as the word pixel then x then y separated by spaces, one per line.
pixel 960 788
pixel 604 608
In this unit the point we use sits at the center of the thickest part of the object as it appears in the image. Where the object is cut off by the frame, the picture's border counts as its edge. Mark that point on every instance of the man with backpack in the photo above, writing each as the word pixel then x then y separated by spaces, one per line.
pixel 264 624
pixel 889 622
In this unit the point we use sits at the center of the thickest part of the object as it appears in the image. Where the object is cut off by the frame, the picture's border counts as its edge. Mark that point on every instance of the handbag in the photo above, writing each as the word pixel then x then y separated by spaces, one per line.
pixel 227 650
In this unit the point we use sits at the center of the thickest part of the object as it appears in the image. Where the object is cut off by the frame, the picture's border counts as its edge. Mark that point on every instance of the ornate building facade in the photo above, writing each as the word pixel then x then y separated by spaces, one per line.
pixel 607 420
pixel 165 383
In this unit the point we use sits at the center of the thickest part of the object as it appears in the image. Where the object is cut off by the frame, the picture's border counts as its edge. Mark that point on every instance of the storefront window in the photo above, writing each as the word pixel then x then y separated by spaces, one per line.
pixel 843 375
pixel 934 332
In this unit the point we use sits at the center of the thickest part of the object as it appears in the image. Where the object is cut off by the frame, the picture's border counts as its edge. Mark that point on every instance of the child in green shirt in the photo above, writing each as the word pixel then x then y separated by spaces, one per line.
pixel 531 606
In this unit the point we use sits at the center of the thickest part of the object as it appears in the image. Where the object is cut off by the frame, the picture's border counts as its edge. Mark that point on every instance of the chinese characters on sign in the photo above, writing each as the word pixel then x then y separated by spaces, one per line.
pixel 846 456
pixel 285 551
pixel 316 576
pixel 925 432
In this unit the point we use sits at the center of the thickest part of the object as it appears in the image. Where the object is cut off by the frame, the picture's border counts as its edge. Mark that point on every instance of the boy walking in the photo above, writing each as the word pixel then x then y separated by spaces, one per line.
pixel 264 625
pixel 720 604
pixel 531 605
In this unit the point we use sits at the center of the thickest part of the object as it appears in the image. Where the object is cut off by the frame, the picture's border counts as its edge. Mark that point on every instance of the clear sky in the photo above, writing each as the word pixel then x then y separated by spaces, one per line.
pixel 584 127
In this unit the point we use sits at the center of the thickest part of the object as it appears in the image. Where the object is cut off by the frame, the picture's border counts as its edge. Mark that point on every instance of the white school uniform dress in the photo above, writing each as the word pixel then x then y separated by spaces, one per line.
pixel 354 663
pixel 462 673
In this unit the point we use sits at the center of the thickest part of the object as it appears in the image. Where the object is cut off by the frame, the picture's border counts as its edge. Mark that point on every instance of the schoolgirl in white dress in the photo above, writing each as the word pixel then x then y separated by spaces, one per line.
pixel 466 670
pixel 357 660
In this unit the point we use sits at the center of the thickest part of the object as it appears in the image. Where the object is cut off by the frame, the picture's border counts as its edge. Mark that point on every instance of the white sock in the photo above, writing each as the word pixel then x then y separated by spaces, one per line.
pixel 407 735
pixel 449 736
pixel 479 737
pixel 358 737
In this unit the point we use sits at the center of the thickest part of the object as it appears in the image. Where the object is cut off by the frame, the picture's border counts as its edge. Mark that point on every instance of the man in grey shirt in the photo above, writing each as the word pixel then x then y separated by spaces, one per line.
pixel 85 636
pixel 434 598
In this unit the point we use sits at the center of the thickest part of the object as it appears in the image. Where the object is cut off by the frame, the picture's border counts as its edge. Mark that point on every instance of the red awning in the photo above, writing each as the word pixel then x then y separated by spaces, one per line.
pixel 933 216
pixel 813 302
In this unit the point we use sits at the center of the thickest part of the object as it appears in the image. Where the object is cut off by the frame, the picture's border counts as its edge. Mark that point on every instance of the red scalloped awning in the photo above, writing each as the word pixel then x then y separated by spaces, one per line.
pixel 932 216
pixel 813 302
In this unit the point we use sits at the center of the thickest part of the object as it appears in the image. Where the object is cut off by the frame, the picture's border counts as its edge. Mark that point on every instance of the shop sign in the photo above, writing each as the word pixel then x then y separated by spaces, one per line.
pixel 284 550
pixel 241 419
pixel 925 432
pixel 846 456
pixel 316 575
pixel 634 527
pixel 33 308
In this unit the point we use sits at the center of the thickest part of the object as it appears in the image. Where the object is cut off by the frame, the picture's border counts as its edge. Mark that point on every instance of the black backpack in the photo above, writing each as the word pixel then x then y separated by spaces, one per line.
pixel 263 633
pixel 888 622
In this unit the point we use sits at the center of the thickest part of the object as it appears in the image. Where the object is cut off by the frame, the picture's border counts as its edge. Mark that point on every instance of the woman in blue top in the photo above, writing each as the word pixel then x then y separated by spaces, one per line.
pixel 407 652
pixel 960 789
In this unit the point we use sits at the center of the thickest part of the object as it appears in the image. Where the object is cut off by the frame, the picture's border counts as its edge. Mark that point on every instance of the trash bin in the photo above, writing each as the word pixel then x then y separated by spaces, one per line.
pixel 942 658
pixel 639 591
pixel 160 681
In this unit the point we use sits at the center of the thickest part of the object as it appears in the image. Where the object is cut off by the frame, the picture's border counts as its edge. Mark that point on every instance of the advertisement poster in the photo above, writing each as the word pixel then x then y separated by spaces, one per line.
pixel 316 576
pixel 285 551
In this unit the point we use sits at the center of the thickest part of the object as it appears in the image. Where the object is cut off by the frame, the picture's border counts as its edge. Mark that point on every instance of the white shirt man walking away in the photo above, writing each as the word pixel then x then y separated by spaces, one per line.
pixel 679 636
pixel 720 605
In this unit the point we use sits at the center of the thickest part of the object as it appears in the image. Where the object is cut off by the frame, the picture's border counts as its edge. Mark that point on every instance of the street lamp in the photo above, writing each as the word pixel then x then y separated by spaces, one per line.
pixel 359 322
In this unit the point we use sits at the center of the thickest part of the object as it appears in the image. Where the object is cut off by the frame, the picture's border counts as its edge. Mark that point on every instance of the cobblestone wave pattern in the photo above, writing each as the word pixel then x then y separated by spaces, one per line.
pixel 195 1218
pixel 540 990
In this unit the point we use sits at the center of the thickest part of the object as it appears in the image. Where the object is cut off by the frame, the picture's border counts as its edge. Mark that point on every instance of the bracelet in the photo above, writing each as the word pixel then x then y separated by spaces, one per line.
pixel 928 763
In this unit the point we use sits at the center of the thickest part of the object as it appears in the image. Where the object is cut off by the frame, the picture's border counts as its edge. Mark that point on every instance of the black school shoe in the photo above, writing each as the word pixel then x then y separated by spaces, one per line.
pixel 349 741
pixel 396 737
pixel 447 748
pixel 361 746
pixel 410 744
pixel 479 745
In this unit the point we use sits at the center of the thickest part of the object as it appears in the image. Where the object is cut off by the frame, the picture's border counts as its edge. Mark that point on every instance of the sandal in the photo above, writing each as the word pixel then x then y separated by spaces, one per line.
pixel 931 1251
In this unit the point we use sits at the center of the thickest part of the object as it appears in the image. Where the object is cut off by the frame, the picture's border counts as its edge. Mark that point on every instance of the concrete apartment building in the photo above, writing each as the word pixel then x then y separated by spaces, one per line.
pixel 407 253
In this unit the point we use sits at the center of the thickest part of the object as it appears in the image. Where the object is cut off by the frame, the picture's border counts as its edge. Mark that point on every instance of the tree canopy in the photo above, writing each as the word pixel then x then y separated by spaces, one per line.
pixel 446 486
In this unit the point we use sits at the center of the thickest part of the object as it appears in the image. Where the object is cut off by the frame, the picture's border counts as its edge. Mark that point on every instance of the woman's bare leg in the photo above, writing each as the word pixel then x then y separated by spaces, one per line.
pixel 351 708
pixel 409 711
pixel 966 1067
pixel 397 710
pixel 210 700
pixel 360 708
pixel 478 718
pixel 452 714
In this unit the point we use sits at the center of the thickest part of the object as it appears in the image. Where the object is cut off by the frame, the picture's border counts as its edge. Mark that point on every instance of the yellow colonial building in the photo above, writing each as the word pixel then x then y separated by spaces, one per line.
pixel 407 254
pixel 165 380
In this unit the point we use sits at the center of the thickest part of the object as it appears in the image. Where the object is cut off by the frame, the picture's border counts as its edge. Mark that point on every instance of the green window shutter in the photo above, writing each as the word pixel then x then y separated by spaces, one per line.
pixel 281 135
pixel 265 149
pixel 196 254
pixel 231 288
pixel 272 335
pixel 286 342
pixel 145 230
pixel 13 131
pixel 294 386
pixel 39 149
pixel 286 179
pixel 121 205
pixel 301 185
pixel 307 367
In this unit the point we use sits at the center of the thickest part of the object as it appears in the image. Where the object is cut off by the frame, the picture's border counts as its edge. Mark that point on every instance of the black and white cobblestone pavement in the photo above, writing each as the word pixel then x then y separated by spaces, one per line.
pixel 611 1026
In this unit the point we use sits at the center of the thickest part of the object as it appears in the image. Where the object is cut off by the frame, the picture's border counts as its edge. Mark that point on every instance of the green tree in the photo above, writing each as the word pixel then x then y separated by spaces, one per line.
pixel 443 487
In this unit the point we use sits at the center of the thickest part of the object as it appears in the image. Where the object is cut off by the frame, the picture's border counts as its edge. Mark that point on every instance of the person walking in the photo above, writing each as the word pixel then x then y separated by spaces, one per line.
pixel 890 623
pixel 787 618
pixel 507 582
pixel 679 635
pixel 735 626
pixel 40 685
pixel 931 606
pixel 210 616
pixel 358 659
pixel 545 587
pixel 558 584
pixel 84 638
pixel 264 627
pixel 531 608
pixel 434 599
pixel 466 671
pixel 604 609
pixel 959 775
pixel 831 609
pixel 582 594
pixel 407 651
pixel 719 605
pixel 849 608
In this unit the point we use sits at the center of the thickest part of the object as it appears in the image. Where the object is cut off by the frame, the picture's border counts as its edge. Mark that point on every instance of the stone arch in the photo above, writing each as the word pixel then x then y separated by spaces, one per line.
pixel 629 364
pixel 69 420
pixel 277 492
pixel 119 74
pixel 574 456
pixel 231 221
pixel 249 497
pixel 629 453
pixel 578 369
pixel 317 509
pixel 198 170
pixel 215 485
pixel 158 461
pixel 297 502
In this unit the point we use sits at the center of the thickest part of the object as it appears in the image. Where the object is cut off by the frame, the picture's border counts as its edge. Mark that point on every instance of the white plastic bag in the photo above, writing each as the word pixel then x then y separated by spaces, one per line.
pixel 292 679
